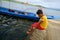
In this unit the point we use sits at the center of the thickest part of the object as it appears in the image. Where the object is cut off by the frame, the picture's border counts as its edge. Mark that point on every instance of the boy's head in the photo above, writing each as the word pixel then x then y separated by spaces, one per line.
pixel 39 13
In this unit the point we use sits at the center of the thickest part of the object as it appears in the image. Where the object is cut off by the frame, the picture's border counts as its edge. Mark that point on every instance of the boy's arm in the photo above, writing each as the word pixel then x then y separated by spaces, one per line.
pixel 40 21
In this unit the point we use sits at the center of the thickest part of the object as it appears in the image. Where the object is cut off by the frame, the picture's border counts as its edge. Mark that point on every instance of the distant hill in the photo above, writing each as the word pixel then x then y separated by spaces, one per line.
pixel 23 3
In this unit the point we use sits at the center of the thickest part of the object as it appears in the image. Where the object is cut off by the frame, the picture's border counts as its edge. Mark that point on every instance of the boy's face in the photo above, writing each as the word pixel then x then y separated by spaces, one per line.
pixel 39 15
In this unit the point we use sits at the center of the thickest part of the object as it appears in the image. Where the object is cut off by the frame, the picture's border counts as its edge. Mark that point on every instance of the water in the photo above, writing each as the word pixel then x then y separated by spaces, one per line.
pixel 29 8
pixel 55 13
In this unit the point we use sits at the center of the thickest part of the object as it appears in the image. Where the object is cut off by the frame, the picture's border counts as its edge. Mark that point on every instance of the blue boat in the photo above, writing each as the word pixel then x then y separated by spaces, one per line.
pixel 20 14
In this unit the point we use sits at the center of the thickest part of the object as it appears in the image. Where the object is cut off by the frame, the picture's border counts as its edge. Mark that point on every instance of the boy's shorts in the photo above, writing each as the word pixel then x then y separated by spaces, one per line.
pixel 36 25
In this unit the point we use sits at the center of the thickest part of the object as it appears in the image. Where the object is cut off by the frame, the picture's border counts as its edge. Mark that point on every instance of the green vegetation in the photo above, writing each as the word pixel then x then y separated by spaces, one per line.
pixel 7 0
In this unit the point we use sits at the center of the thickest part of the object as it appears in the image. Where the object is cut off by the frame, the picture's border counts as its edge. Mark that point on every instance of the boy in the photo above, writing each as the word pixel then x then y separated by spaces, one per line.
pixel 41 24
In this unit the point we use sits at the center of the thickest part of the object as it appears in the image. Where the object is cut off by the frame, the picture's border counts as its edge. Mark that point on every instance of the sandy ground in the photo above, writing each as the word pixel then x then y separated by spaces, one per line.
pixel 53 30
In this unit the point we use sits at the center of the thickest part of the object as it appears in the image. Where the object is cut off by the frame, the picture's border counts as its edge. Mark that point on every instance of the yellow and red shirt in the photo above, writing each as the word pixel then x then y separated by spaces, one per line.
pixel 44 23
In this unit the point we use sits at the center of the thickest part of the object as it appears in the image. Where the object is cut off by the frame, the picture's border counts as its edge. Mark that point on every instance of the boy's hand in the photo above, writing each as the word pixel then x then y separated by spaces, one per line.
pixel 28 32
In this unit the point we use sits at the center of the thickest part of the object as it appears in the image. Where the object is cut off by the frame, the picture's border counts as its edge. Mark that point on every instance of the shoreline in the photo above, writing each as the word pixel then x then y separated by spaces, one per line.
pixel 54 21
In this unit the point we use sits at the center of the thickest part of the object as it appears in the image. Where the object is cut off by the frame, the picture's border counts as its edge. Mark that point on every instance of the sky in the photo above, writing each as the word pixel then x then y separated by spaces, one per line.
pixel 45 3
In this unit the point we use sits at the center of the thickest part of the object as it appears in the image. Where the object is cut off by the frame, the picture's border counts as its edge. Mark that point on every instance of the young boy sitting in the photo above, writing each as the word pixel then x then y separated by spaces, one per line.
pixel 41 24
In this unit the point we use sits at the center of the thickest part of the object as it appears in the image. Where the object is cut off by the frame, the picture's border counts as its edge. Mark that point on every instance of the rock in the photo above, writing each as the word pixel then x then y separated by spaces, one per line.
pixel 12 28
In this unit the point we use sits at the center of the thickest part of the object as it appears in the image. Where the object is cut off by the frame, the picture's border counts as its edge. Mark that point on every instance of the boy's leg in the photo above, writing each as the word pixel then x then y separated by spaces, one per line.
pixel 30 30
pixel 33 27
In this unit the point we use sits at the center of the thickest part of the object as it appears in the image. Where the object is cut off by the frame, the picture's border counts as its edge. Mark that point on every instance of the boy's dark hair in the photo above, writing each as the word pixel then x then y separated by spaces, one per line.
pixel 39 11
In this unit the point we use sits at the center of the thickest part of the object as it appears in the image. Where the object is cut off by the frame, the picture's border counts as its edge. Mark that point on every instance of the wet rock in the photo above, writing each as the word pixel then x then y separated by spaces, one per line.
pixel 12 28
